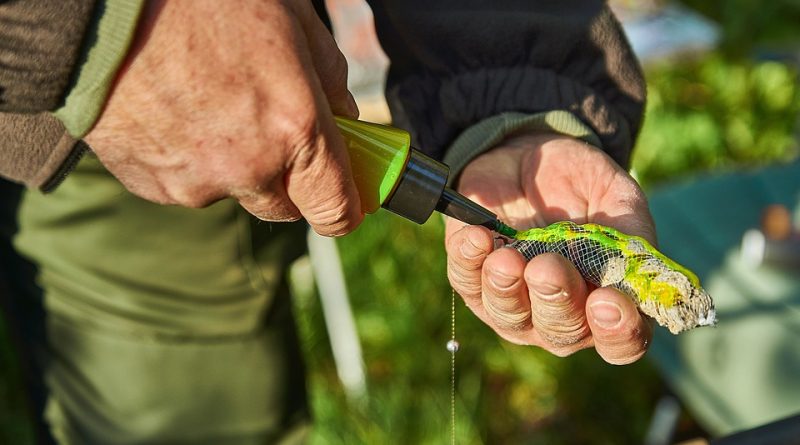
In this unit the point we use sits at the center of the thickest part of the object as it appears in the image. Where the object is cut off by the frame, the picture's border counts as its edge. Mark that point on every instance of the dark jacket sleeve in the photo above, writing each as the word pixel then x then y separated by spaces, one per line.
pixel 455 63
pixel 40 43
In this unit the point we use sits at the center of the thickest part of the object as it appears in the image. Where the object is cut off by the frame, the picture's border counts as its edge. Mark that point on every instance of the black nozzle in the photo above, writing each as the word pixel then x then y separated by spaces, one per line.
pixel 421 190
pixel 463 209
pixel 466 210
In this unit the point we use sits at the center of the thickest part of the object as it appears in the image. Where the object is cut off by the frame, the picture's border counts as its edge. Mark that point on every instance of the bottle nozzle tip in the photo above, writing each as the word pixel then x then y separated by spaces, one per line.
pixel 505 230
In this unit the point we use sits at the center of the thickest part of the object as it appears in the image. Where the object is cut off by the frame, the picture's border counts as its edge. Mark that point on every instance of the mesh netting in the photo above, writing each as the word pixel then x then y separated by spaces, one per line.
pixel 660 287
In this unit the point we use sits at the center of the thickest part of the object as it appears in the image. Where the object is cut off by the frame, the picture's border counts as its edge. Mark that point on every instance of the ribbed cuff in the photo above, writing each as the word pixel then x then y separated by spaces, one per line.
pixel 489 132
pixel 107 44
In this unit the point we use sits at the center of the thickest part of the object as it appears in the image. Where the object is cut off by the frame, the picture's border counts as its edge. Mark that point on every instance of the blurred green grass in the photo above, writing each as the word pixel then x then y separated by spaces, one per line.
pixel 720 111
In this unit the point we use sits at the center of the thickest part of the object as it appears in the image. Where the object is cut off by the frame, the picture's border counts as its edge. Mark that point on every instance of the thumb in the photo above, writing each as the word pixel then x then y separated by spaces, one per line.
pixel 320 183
pixel 329 62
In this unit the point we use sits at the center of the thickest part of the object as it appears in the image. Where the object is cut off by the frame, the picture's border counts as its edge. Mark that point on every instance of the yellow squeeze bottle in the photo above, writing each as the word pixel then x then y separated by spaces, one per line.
pixel 389 173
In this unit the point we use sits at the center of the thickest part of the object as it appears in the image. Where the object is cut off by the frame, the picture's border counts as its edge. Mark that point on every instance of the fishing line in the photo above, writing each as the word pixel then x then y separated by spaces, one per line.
pixel 452 346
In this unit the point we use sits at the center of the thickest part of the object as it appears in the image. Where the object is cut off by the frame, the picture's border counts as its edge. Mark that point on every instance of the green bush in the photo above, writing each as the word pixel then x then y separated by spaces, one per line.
pixel 714 114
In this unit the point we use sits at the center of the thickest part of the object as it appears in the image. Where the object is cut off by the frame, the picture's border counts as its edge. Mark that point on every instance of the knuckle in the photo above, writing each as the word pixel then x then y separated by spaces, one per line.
pixel 564 351
pixel 451 244
pixel 502 284
pixel 334 217
pixel 466 255
pixel 270 210
pixel 624 347
pixel 624 360
pixel 304 141
pixel 270 215
pixel 466 282
pixel 267 205
pixel 507 313
pixel 562 334
pixel 316 179
pixel 560 352
pixel 190 196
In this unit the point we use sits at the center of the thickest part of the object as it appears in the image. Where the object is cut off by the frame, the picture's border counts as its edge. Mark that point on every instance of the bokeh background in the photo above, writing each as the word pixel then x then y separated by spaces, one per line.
pixel 723 97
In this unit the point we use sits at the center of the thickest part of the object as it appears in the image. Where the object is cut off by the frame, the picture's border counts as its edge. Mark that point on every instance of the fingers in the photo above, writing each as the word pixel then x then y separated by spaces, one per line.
pixel 490 281
pixel 539 303
pixel 311 178
pixel 467 249
pixel 329 63
pixel 317 185
pixel 273 206
pixel 621 334
pixel 319 181
pixel 558 296
pixel 504 293
pixel 545 302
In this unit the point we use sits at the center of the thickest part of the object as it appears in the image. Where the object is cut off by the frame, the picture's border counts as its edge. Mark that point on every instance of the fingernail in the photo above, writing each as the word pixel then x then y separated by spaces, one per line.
pixel 606 315
pixel 469 249
pixel 546 291
pixel 501 280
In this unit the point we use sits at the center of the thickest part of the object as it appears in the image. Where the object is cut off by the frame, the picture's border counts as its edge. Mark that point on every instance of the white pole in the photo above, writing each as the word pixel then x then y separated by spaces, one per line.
pixel 338 315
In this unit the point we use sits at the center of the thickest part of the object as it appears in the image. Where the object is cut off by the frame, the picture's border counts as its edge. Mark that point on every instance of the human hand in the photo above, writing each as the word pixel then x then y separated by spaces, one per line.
pixel 534 180
pixel 233 99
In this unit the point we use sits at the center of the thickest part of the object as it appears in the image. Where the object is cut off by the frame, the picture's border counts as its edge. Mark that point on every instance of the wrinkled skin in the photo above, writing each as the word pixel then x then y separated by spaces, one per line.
pixel 534 180
pixel 233 99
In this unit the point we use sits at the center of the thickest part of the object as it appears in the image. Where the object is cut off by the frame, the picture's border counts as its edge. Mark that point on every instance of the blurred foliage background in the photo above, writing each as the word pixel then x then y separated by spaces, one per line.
pixel 733 107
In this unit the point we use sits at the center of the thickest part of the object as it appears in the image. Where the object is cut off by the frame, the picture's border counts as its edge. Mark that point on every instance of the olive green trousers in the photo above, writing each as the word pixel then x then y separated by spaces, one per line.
pixel 163 324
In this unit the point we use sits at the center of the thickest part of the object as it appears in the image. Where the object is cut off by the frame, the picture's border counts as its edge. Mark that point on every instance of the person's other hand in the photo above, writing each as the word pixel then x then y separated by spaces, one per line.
pixel 535 180
pixel 233 99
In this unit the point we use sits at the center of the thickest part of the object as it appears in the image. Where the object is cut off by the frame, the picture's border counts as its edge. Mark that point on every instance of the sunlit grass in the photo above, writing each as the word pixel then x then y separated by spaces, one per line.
pixel 715 114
